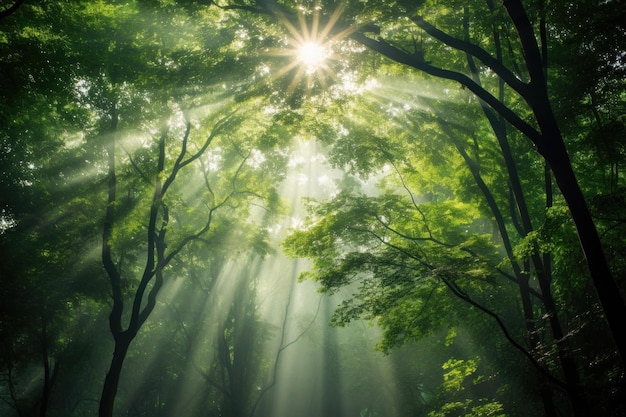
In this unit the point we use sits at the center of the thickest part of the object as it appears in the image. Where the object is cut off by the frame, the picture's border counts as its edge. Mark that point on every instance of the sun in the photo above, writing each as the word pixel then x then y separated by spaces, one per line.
pixel 312 54
pixel 310 48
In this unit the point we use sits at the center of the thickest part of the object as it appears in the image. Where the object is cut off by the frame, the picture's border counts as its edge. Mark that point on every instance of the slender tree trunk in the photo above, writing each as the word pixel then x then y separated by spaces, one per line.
pixel 144 299
pixel 522 277
pixel 121 339
pixel 111 382
pixel 45 394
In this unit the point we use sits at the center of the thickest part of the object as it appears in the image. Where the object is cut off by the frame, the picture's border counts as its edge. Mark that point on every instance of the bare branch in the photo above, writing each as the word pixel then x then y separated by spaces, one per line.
pixel 181 162
pixel 152 265
pixel 408 190
pixel 282 347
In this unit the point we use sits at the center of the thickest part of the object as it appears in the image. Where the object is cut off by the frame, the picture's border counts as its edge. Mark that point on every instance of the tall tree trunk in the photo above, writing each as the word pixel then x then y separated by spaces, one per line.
pixel 519 205
pixel 522 276
pixel 552 147
pixel 142 306
pixel 606 288
pixel 111 382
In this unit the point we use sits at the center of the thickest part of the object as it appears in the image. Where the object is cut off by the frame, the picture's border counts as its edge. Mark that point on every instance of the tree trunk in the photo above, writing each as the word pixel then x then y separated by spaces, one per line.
pixel 525 295
pixel 552 147
pixel 111 382
pixel 606 288
pixel 542 271
pixel 45 394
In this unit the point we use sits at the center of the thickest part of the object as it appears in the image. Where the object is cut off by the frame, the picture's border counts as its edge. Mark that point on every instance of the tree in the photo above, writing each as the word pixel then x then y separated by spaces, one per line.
pixel 135 85
pixel 361 146
pixel 121 74
pixel 545 134
pixel 162 120
pixel 46 224
pixel 231 175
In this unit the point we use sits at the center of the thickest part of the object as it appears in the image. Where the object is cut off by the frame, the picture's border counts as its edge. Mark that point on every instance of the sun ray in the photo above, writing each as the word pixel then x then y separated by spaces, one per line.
pixel 332 22
pixel 297 34
pixel 304 27
pixel 296 80
pixel 310 44
pixel 315 24
pixel 284 70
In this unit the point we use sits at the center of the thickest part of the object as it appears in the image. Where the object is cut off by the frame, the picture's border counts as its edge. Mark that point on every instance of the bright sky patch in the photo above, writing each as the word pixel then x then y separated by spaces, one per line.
pixel 312 54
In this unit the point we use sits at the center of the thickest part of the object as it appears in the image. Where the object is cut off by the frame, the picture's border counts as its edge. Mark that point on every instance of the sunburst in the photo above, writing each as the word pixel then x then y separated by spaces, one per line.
pixel 312 55
pixel 311 44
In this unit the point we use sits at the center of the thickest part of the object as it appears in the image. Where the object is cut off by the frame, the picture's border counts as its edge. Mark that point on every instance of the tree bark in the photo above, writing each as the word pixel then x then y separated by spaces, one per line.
pixel 552 147
pixel 606 288
pixel 111 382
pixel 542 271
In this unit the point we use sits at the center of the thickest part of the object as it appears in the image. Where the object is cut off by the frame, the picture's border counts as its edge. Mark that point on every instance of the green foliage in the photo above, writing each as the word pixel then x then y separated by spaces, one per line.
pixel 76 77
pixel 456 380
pixel 457 372
pixel 465 408
pixel 396 251
pixel 70 73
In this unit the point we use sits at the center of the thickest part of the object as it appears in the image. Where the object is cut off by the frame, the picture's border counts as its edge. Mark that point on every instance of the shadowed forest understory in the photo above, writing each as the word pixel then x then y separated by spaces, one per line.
pixel 320 208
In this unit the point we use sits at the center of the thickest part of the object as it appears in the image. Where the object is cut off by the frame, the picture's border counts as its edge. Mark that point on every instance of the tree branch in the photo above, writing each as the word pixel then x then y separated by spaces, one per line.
pixel 151 266
pixel 12 9
pixel 282 347
pixel 462 295
pixel 402 57
pixel 532 56
pixel 503 72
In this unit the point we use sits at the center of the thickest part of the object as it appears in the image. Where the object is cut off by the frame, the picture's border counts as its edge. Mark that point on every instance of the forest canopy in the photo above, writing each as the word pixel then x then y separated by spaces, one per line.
pixel 179 177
